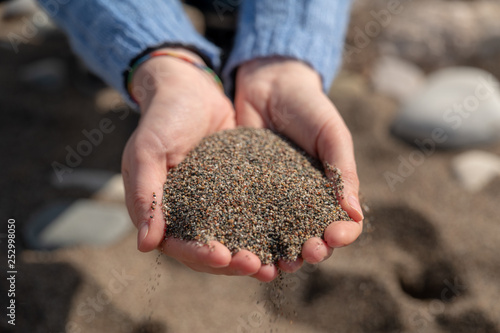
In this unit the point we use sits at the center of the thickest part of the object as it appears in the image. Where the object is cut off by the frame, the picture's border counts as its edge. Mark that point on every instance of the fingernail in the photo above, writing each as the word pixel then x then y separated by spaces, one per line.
pixel 143 232
pixel 354 203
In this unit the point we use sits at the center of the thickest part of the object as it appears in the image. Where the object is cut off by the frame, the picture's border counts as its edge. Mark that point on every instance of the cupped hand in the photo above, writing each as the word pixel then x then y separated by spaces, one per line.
pixel 286 95
pixel 180 104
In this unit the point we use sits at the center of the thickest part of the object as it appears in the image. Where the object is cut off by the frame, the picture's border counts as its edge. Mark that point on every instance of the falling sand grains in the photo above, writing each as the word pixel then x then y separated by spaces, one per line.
pixel 251 189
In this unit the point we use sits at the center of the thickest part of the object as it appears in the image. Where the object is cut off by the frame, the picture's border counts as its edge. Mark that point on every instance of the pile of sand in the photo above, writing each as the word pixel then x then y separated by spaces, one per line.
pixel 251 189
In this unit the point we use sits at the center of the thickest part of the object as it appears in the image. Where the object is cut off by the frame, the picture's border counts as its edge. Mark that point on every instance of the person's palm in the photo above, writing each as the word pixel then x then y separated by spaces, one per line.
pixel 286 95
pixel 180 105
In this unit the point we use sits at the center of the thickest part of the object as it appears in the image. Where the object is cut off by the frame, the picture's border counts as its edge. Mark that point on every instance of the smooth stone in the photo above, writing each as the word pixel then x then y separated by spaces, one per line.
pixel 84 222
pixel 475 169
pixel 196 17
pixel 104 185
pixel 112 191
pixel 109 99
pixel 49 74
pixel 458 107
pixel 32 27
pixel 397 78
pixel 91 180
pixel 19 8
pixel 440 33
pixel 348 85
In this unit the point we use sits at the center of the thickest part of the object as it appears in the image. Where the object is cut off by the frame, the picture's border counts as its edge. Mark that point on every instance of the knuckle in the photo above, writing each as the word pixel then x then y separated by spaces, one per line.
pixel 350 177
pixel 137 205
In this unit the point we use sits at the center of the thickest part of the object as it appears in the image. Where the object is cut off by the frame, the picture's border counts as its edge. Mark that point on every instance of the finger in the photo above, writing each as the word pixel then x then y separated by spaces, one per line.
pixel 290 266
pixel 144 174
pixel 335 147
pixel 342 233
pixel 242 263
pixel 247 113
pixel 266 273
pixel 213 255
pixel 315 124
pixel 316 250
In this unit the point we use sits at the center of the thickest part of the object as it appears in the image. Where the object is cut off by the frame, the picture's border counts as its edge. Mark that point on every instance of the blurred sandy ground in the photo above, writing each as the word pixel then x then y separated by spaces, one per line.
pixel 427 262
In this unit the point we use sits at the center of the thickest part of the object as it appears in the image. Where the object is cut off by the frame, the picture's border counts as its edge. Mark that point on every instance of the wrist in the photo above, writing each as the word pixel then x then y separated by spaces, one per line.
pixel 278 70
pixel 159 73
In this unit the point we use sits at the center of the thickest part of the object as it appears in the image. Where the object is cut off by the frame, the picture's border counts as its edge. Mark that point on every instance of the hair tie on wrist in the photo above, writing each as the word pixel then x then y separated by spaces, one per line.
pixel 148 56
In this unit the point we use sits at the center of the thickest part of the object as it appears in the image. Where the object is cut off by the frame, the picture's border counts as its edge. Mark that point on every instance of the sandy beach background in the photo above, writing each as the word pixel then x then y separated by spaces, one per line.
pixel 427 261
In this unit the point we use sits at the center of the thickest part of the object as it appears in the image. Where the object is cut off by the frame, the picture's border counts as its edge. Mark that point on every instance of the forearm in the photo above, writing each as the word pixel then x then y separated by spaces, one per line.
pixel 107 35
pixel 309 30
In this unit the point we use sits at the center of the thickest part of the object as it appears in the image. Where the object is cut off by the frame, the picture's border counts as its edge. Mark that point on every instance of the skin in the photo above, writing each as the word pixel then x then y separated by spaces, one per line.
pixel 180 104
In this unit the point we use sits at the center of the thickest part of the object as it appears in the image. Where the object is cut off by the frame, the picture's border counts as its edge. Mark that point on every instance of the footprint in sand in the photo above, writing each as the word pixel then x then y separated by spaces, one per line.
pixel 341 302
pixel 471 321
pixel 354 302
pixel 435 275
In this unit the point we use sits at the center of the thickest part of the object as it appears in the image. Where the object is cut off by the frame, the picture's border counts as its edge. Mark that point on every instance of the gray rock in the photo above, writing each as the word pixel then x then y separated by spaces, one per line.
pixel 475 169
pixel 107 99
pixel 84 222
pixel 23 22
pixel 49 74
pixel 441 33
pixel 104 185
pixel 19 8
pixel 112 191
pixel 196 17
pixel 397 78
pixel 350 85
pixel 457 107
pixel 91 180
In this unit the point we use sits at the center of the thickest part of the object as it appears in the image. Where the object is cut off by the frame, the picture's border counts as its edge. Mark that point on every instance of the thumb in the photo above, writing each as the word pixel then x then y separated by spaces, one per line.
pixel 144 173
pixel 247 114
pixel 335 147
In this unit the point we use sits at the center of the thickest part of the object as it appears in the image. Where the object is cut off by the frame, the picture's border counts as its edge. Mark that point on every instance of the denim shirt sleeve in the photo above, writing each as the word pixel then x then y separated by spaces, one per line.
pixel 108 34
pixel 309 30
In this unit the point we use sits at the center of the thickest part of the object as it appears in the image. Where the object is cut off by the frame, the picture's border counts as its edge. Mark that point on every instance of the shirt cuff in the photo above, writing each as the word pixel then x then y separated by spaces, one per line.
pixel 107 35
pixel 312 31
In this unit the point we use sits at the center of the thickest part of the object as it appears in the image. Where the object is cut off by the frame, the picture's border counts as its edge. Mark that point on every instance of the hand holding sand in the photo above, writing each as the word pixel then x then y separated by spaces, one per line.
pixel 180 105
pixel 286 95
